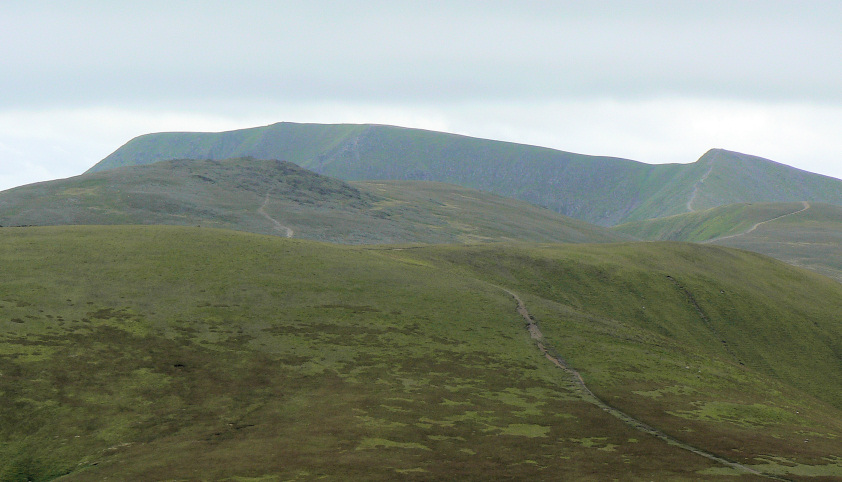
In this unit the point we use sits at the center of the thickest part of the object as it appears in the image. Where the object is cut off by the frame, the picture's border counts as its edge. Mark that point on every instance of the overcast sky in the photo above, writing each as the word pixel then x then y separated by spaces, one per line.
pixel 653 81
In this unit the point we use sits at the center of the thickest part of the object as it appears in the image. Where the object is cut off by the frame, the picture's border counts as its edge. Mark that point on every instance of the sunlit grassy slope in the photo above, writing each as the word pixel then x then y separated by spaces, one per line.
pixel 709 224
pixel 248 194
pixel 810 237
pixel 598 189
pixel 149 353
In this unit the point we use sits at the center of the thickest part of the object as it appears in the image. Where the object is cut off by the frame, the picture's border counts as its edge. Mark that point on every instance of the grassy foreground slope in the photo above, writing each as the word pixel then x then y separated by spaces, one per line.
pixel 804 235
pixel 691 339
pixel 148 353
pixel 196 353
pixel 273 197
pixel 597 189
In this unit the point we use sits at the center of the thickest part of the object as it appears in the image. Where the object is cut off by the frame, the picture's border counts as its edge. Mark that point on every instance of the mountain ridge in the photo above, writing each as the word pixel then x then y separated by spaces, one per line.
pixel 281 198
pixel 602 190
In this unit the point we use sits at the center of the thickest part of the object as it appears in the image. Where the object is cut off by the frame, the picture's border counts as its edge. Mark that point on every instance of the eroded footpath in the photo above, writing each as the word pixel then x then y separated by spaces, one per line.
pixel 589 396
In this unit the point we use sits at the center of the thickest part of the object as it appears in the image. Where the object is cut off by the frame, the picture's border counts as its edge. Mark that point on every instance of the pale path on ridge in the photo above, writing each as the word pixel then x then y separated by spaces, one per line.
pixel 589 396
pixel 696 188
pixel 806 207
pixel 280 227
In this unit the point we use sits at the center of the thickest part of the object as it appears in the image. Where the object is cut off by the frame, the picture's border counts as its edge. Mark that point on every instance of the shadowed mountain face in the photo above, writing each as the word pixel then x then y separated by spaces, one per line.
pixel 600 190
pixel 274 197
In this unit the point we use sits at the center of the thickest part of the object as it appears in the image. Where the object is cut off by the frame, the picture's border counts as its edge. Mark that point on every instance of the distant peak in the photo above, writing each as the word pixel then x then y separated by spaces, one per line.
pixel 709 156
pixel 718 153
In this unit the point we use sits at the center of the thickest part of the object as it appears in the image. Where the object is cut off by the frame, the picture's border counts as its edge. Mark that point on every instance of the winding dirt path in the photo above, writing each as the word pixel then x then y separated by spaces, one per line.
pixel 278 226
pixel 806 207
pixel 696 188
pixel 589 396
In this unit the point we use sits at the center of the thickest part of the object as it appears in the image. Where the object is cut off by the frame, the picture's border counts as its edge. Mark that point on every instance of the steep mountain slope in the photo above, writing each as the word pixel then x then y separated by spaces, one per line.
pixel 731 177
pixel 601 190
pixel 273 197
pixel 803 234
pixel 204 354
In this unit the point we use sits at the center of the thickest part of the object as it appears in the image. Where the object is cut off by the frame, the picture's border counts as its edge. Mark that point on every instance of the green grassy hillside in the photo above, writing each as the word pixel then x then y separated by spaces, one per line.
pixel 150 353
pixel 273 197
pixel 600 190
pixel 709 224
pixel 811 237
pixel 705 342
pixel 735 178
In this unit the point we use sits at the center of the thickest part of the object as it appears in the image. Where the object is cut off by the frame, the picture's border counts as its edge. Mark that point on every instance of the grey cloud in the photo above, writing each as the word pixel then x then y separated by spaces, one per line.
pixel 399 51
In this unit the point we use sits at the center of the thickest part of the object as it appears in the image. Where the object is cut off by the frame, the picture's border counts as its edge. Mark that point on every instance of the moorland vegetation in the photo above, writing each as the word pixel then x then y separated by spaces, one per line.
pixel 193 308
pixel 195 352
